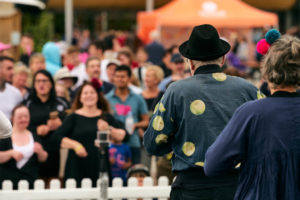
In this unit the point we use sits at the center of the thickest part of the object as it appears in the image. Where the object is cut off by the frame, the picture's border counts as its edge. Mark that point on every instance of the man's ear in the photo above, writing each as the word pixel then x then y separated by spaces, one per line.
pixel 223 60
pixel 191 65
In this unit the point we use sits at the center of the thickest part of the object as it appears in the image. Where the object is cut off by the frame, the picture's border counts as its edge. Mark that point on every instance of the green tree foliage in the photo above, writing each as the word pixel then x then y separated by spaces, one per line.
pixel 40 26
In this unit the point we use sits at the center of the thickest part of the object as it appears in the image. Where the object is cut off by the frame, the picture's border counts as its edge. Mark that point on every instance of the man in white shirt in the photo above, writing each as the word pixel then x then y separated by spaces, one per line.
pixel 9 95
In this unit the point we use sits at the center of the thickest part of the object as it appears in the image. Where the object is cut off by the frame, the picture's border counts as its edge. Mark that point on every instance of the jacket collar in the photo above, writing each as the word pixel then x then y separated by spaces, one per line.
pixel 208 69
pixel 285 94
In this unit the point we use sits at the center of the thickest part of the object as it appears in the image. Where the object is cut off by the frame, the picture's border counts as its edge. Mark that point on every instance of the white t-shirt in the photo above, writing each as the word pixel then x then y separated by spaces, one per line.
pixel 103 75
pixel 10 97
pixel 5 126
pixel 27 151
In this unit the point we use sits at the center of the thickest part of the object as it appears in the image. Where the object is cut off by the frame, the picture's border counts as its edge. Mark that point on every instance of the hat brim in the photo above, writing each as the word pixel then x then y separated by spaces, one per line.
pixel 184 50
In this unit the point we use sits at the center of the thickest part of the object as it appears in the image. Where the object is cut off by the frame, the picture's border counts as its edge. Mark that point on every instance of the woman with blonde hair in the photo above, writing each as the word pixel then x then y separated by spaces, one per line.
pixel 153 76
pixel 263 136
pixel 20 79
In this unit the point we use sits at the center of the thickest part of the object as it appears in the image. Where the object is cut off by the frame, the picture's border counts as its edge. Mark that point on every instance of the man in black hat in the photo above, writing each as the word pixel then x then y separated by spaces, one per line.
pixel 193 112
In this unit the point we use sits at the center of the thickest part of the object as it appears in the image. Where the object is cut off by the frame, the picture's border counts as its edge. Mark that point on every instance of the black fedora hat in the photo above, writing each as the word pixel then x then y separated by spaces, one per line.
pixel 204 44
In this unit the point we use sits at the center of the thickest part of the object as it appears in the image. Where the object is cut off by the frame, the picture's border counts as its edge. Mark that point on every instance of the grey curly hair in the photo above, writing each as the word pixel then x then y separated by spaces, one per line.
pixel 281 65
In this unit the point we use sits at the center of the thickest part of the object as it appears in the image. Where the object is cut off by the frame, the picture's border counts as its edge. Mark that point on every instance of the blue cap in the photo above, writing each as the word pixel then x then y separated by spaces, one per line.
pixel 177 58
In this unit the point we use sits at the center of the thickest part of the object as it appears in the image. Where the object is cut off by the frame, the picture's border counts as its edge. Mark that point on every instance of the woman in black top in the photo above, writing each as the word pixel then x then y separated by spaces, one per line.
pixel 21 153
pixel 79 131
pixel 47 112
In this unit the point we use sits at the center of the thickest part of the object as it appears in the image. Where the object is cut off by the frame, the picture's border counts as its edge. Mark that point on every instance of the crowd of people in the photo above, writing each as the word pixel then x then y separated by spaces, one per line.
pixel 59 98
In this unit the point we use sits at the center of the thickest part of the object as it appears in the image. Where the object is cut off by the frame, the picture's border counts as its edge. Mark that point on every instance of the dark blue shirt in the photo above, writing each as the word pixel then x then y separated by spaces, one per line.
pixel 121 154
pixel 264 136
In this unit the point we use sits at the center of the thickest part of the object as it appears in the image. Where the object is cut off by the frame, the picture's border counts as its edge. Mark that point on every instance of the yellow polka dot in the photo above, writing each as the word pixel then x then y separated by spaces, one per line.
pixel 260 95
pixel 188 148
pixel 161 108
pixel 172 120
pixel 238 165
pixel 156 108
pixel 201 164
pixel 219 76
pixel 197 107
pixel 161 138
pixel 158 123
pixel 169 155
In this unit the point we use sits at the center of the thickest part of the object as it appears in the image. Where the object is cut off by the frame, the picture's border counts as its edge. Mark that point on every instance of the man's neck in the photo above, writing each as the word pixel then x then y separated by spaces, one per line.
pixel 122 92
pixel 2 85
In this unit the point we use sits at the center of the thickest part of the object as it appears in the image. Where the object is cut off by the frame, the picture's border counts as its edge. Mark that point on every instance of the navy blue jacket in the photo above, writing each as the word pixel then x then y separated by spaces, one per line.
pixel 264 136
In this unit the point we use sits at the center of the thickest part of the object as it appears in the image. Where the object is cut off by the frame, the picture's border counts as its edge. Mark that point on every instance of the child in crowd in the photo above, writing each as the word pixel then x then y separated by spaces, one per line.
pixel 139 171
pixel 120 159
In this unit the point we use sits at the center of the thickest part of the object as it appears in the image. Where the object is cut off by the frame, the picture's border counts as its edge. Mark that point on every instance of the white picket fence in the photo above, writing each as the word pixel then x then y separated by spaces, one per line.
pixel 116 192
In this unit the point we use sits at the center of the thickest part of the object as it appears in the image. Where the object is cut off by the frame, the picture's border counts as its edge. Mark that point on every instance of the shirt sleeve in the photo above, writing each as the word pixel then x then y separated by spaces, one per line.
pixel 143 109
pixel 65 130
pixel 5 126
pixel 226 153
pixel 158 136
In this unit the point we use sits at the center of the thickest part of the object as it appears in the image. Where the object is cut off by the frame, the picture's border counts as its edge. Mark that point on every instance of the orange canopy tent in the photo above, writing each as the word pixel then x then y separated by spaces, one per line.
pixel 188 13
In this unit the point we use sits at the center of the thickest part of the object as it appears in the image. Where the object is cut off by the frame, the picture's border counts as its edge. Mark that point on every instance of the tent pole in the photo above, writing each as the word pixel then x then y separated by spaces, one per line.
pixel 149 5
pixel 68 20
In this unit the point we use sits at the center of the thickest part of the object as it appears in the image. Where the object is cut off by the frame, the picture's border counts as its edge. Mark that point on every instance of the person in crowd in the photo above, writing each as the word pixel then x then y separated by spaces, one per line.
pixel 36 62
pixel 119 158
pixel 110 47
pixel 27 48
pixel 125 56
pixel 65 78
pixel 46 115
pixel 166 62
pixel 21 154
pixel 96 49
pixel 93 70
pixel 9 95
pixel 84 40
pixel 263 135
pixel 111 69
pixel 154 74
pixel 62 91
pixel 75 66
pixel 138 171
pixel 20 79
pixel 79 131
pixel 178 71
pixel 139 72
pixel 5 49
pixel 193 112
pixel 127 104
pixel 151 93
pixel 52 56
pixel 155 49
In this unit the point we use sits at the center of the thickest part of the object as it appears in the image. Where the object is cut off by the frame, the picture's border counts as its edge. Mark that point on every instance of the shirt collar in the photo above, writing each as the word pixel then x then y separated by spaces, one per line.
pixel 114 92
pixel 208 69
pixel 285 94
